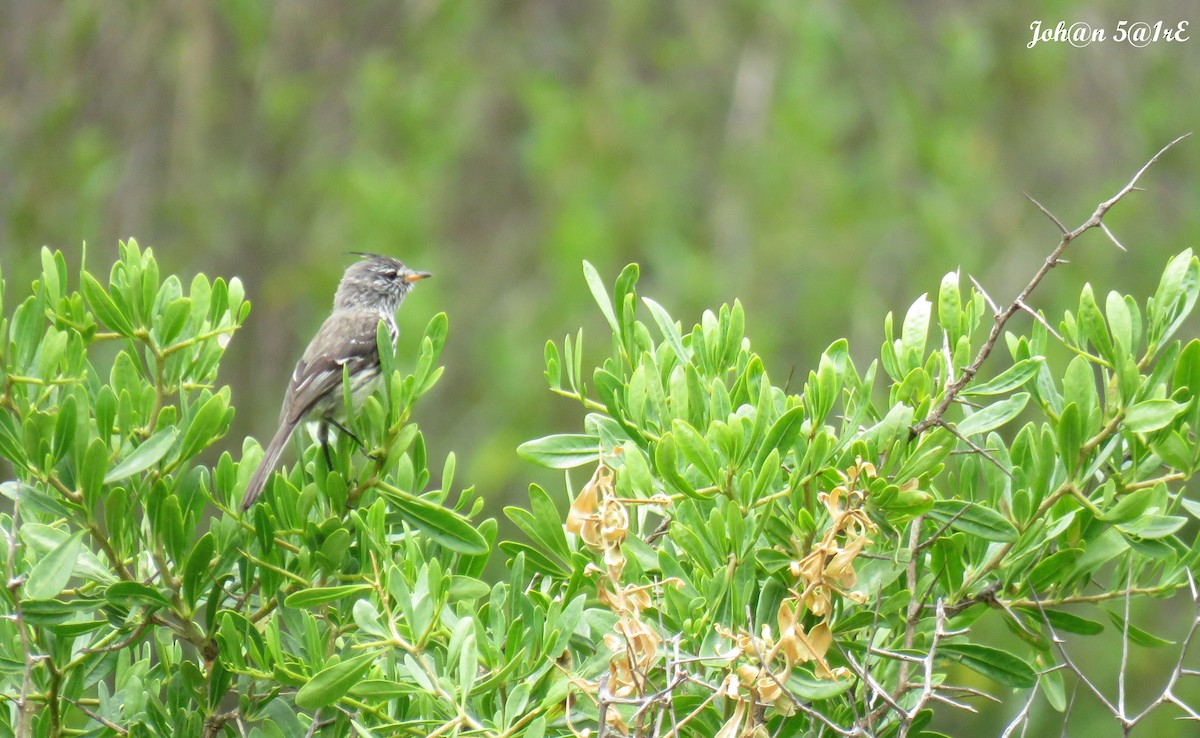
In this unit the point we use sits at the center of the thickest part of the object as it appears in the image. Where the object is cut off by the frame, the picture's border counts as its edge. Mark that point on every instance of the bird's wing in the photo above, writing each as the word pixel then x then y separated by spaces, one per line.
pixel 346 339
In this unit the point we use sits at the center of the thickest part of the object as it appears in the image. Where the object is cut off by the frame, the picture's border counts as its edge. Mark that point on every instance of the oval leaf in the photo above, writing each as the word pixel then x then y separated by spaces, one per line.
pixel 132 594
pixel 144 456
pixel 974 519
pixel 1008 380
pixel 561 451
pixel 315 596
pixel 993 416
pixel 1001 667
pixel 444 526
pixel 333 682
pixel 1152 415
pixel 50 575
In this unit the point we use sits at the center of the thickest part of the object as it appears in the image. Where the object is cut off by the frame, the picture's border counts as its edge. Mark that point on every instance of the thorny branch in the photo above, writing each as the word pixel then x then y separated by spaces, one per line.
pixel 1119 712
pixel 934 418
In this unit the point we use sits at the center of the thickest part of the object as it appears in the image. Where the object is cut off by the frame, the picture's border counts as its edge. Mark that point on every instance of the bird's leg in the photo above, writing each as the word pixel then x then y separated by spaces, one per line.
pixel 347 431
pixel 323 439
pixel 374 454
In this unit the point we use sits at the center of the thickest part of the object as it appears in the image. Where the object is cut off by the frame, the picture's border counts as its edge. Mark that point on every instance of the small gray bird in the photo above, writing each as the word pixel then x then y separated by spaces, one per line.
pixel 370 292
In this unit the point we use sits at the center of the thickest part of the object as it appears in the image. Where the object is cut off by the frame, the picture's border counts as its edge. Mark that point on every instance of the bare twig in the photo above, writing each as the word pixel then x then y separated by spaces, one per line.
pixel 1118 710
pixel 24 706
pixel 1040 319
pixel 975 448
pixel 935 415
pixel 98 718
pixel 1021 719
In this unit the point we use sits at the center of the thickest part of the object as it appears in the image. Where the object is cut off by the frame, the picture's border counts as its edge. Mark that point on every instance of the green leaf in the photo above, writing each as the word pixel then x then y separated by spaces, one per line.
pixel 366 617
pixel 694 448
pixel 1054 569
pixel 542 522
pixel 916 327
pixel 64 425
pixel 436 330
pixel 1175 297
pixel 669 330
pixel 317 596
pixel 636 469
pixel 974 519
pixel 1070 436
pixel 1192 506
pixel 931 451
pixel 804 684
pixel 538 560
pixel 145 456
pixel 468 658
pixel 1079 387
pixel 1152 415
pixel 103 306
pixel 50 575
pixel 1064 621
pixel 1002 667
pixel 950 305
pixel 900 504
pixel 132 594
pixel 444 526
pixel 1153 527
pixel 782 435
pixel 92 468
pixel 600 293
pixel 333 682
pixel 1008 380
pixel 562 451
pixel 208 424
pixel 553 372
pixel 1093 322
pixel 197 573
pixel 666 462
pixel 1131 506
pixel 993 416
pixel 1136 634
pixel 1120 320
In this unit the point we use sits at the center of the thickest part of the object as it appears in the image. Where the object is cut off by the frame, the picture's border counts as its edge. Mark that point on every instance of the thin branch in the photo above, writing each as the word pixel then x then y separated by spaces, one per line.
pixel 1040 319
pixel 98 718
pixel 1001 320
pixel 1022 717
pixel 975 448
pixel 1124 669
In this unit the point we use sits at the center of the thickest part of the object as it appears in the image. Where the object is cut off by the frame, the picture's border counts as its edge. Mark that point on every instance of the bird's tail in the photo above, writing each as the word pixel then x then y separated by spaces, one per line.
pixel 267 465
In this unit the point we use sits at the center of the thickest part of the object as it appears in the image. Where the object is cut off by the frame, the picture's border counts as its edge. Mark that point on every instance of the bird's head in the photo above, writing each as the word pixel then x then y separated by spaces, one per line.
pixel 376 282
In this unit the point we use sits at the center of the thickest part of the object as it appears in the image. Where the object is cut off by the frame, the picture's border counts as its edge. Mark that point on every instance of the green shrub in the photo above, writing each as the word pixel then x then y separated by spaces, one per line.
pixel 735 557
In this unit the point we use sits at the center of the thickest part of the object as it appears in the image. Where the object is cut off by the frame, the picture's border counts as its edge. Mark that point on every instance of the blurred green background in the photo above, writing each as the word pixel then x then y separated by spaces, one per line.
pixel 824 162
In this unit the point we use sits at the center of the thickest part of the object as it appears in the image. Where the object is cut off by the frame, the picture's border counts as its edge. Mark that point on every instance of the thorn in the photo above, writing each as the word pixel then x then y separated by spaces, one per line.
pixel 1112 237
pixel 987 298
pixel 1061 228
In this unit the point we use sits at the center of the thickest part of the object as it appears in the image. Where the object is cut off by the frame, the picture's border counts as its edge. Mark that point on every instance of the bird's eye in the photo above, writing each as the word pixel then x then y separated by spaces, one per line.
pixel 391 274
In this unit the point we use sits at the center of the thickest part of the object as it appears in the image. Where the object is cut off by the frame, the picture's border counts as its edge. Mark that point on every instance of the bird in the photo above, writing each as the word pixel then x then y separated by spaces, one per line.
pixel 368 294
